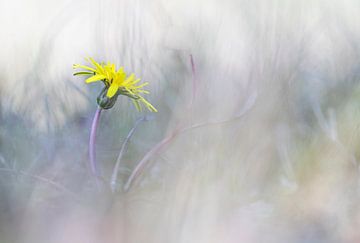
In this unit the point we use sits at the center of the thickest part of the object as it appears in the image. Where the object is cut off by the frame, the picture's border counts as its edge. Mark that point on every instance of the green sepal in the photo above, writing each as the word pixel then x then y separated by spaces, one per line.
pixel 83 73
pixel 123 91
pixel 104 101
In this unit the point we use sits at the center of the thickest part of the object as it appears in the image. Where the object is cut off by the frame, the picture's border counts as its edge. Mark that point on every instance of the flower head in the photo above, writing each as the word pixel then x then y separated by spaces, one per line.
pixel 116 82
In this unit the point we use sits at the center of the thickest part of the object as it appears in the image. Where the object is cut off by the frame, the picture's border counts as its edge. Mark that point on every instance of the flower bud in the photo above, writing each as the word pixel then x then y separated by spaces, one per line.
pixel 104 101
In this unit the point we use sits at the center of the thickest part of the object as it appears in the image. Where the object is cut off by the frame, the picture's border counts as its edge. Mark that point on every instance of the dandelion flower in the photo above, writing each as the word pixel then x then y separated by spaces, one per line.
pixel 116 82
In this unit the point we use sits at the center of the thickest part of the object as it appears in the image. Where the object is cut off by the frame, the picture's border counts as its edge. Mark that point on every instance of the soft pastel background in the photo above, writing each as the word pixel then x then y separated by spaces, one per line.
pixel 260 144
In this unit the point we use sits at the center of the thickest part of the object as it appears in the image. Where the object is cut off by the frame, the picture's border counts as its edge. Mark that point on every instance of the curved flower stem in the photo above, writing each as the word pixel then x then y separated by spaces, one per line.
pixel 121 153
pixel 92 155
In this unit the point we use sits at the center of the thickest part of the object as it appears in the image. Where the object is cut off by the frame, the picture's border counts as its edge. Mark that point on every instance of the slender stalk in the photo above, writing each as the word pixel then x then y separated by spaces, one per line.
pixel 92 155
pixel 141 165
pixel 194 79
pixel 121 153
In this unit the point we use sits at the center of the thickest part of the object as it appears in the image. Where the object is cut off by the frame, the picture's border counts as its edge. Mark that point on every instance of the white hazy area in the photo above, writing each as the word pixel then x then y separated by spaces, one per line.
pixel 258 141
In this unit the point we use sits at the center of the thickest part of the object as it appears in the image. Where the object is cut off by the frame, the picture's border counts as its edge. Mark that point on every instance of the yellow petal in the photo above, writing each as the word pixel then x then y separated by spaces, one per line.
pixel 148 105
pixel 141 85
pixel 120 70
pixel 84 67
pixel 97 65
pixel 129 90
pixel 95 78
pixel 120 77
pixel 112 90
pixel 143 91
pixel 137 105
pixel 130 78
pixel 136 81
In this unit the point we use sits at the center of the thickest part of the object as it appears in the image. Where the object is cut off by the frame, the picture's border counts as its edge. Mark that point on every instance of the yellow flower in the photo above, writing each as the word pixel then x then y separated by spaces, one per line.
pixel 116 82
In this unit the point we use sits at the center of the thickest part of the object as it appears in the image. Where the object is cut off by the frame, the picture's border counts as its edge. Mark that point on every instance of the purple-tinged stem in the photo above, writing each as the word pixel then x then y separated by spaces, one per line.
pixel 194 79
pixel 92 155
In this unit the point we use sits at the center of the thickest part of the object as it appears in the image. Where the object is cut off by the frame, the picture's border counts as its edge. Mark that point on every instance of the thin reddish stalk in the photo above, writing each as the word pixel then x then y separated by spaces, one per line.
pixel 194 79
